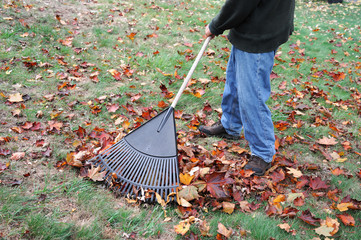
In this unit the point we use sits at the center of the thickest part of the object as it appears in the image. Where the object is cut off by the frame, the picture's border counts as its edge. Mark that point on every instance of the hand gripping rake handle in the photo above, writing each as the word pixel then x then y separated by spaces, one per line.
pixel 184 85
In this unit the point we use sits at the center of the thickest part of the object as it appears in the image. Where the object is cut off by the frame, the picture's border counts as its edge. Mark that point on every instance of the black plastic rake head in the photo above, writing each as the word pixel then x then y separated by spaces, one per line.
pixel 145 159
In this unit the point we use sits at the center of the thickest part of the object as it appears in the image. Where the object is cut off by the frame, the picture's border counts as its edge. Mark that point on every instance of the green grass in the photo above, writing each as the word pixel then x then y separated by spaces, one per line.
pixel 326 41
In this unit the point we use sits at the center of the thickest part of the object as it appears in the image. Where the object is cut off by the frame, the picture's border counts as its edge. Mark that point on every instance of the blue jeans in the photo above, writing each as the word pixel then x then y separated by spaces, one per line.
pixel 247 89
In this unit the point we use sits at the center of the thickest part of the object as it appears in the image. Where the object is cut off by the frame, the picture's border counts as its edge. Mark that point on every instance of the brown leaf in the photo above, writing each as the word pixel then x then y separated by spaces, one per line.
pixel 228 207
pixel 215 183
pixel 224 231
pixel 307 217
pixel 327 141
pixel 95 175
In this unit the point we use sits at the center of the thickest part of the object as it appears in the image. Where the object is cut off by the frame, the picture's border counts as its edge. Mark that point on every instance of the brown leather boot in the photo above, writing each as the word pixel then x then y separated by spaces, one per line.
pixel 258 165
pixel 217 130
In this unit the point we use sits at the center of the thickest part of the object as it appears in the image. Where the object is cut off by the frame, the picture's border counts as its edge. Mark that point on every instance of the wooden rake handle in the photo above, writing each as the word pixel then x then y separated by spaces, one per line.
pixel 189 75
pixel 184 85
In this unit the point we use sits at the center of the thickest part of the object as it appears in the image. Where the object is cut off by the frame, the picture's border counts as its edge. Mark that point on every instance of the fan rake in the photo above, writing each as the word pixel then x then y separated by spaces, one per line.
pixel 145 161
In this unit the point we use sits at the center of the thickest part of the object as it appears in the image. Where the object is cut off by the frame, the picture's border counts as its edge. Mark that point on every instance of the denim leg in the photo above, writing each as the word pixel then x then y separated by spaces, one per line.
pixel 253 88
pixel 231 118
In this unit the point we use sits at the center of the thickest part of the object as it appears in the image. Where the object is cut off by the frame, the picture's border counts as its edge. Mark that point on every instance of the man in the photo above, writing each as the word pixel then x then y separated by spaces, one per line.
pixel 257 29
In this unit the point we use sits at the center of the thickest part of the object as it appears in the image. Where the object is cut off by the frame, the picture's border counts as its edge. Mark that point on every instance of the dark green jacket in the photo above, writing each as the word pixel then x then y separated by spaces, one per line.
pixel 256 26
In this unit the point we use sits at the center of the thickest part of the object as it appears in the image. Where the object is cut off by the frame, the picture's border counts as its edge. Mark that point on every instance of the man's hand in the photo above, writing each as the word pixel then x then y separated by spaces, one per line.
pixel 208 32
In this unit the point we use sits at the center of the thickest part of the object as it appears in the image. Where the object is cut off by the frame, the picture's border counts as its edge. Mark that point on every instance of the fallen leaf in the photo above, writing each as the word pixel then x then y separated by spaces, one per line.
pixel 228 207
pixel 95 175
pixel 185 178
pixel 216 182
pixel 14 98
pixel 189 193
pixel 296 173
pixel 182 228
pixel 317 184
pixel 224 231
pixel 342 207
pixel 346 219
pixel 307 217
pixel 327 141
pixel 17 156
pixel 284 226
pixel 324 231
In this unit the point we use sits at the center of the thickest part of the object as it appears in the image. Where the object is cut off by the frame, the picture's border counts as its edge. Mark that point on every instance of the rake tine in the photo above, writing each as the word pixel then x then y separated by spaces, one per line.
pixel 132 178
pixel 155 178
pixel 138 170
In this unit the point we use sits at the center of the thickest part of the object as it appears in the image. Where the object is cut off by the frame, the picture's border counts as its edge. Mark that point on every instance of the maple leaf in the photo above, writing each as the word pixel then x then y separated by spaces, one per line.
pixel 307 217
pixel 204 228
pixel 317 184
pixel 346 219
pixel 296 173
pixel 95 175
pixel 14 98
pixel 215 183
pixel 55 125
pixel 327 141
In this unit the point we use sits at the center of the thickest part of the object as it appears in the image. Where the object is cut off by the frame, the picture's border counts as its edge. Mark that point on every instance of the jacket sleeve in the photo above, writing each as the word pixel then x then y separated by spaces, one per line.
pixel 232 14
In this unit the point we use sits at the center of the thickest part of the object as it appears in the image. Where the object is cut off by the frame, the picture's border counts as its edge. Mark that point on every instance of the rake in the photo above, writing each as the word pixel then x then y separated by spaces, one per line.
pixel 146 159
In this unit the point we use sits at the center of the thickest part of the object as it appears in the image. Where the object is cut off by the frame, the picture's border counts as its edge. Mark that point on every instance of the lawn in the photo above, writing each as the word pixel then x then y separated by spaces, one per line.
pixel 75 76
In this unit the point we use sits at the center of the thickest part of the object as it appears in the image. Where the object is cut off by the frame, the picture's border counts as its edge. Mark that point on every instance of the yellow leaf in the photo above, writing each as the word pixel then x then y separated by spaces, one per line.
pixel 182 228
pixel 184 203
pixel 344 206
pixel 341 160
pixel 185 178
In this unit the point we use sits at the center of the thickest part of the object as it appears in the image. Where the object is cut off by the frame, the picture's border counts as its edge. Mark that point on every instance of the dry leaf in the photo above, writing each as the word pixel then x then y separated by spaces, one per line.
pixel 95 175
pixel 17 156
pixel 285 226
pixel 296 173
pixel 344 206
pixel 327 141
pixel 228 207
pixel 185 178
pixel 224 231
pixel 17 97
pixel 182 228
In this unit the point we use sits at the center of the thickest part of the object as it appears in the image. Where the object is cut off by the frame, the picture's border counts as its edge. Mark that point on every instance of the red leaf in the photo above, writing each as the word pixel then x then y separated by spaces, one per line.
pixel 4 152
pixel 215 183
pixel 317 184
pixel 346 219
pixel 307 217
pixel 277 176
